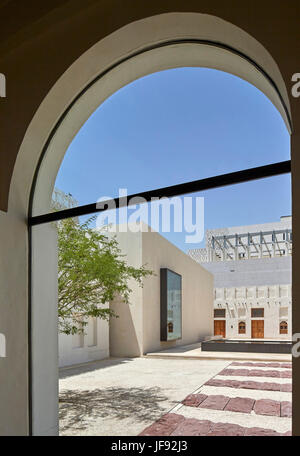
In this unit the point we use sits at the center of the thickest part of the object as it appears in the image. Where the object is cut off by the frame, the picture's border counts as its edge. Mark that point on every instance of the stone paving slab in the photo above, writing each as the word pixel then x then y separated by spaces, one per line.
pixel 177 425
pixel 126 396
pixel 239 404
pixel 267 407
pixel 286 409
pixel 260 379
pixel 261 385
pixel 210 414
pixel 122 396
pixel 215 402
pixel 276 423
pixel 256 373
pixel 226 430
pixel 164 426
pixel 193 427
pixel 257 364
pixel 248 393
pixel 261 368
pixel 269 386
pixel 194 400
pixel 259 432
pixel 286 387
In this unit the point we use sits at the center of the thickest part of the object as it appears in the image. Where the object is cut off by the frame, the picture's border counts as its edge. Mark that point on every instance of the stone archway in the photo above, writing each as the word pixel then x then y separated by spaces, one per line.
pixel 146 46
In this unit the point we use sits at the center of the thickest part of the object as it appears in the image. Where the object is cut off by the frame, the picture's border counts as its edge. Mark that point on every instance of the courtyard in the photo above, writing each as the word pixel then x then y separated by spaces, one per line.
pixel 149 396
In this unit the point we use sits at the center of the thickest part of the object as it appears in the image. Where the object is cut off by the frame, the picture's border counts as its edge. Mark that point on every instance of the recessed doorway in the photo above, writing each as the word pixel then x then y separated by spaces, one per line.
pixel 219 328
pixel 257 329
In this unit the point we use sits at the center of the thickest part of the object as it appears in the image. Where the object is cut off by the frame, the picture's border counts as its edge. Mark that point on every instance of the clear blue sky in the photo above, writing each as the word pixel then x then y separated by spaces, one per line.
pixel 181 125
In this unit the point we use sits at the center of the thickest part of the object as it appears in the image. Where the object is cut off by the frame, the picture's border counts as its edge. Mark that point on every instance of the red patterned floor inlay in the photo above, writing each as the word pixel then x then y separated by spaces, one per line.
pixel 256 431
pixel 267 407
pixel 191 426
pixel 256 373
pixel 226 383
pixel 194 400
pixel 286 387
pixel 286 409
pixel 164 426
pixel 249 364
pixel 173 424
pixel 264 386
pixel 237 372
pixel 215 402
pixel 240 404
pixel 286 374
pixel 267 386
pixel 177 425
pixel 226 430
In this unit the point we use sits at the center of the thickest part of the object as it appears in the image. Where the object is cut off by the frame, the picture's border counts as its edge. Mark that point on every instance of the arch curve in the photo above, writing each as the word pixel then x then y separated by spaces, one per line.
pixel 242 327
pixel 146 46
pixel 283 327
pixel 149 45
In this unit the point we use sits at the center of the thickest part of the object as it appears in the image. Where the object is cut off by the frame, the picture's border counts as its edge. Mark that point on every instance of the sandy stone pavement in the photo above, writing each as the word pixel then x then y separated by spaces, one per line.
pixel 244 399
pixel 117 397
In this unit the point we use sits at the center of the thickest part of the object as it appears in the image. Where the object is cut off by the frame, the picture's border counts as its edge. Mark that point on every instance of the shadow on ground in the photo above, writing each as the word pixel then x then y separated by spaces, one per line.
pixel 71 371
pixel 77 408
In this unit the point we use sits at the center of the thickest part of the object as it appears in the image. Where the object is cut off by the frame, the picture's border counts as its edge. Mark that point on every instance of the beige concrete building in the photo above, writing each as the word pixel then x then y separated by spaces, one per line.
pixel 252 279
pixel 257 311
pixel 137 331
pixel 138 328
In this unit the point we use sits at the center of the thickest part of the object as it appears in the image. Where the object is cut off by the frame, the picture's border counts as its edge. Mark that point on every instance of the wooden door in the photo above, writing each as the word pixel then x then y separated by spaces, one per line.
pixel 257 329
pixel 219 328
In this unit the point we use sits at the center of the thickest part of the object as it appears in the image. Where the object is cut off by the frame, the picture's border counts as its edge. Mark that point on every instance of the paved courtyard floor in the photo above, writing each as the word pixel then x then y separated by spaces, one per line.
pixel 163 397
pixel 123 396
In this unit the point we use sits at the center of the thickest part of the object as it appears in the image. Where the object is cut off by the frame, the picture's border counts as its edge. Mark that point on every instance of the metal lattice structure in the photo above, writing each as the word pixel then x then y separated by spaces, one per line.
pixel 262 244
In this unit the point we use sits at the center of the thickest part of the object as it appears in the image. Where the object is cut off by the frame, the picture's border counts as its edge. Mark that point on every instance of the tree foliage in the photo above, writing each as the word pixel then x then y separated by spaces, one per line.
pixel 91 273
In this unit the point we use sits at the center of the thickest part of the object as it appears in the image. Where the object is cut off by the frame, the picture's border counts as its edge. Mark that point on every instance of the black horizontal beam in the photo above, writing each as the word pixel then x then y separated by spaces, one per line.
pixel 209 183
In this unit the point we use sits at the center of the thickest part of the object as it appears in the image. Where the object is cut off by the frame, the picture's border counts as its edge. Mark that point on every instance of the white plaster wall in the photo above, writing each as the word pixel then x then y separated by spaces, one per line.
pixel 197 294
pixel 14 325
pixel 126 331
pixel 44 330
pixel 137 330
pixel 252 272
pixel 94 344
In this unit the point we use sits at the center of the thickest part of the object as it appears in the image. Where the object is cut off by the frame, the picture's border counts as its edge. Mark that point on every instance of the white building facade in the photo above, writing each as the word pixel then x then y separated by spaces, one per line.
pixel 92 345
pixel 252 279
pixel 137 330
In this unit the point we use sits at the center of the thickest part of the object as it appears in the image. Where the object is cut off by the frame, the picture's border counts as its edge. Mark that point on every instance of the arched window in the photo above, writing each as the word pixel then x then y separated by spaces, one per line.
pixel 242 327
pixel 170 327
pixel 283 327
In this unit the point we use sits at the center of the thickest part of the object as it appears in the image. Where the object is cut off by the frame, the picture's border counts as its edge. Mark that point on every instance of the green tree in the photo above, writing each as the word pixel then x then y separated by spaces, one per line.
pixel 91 273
